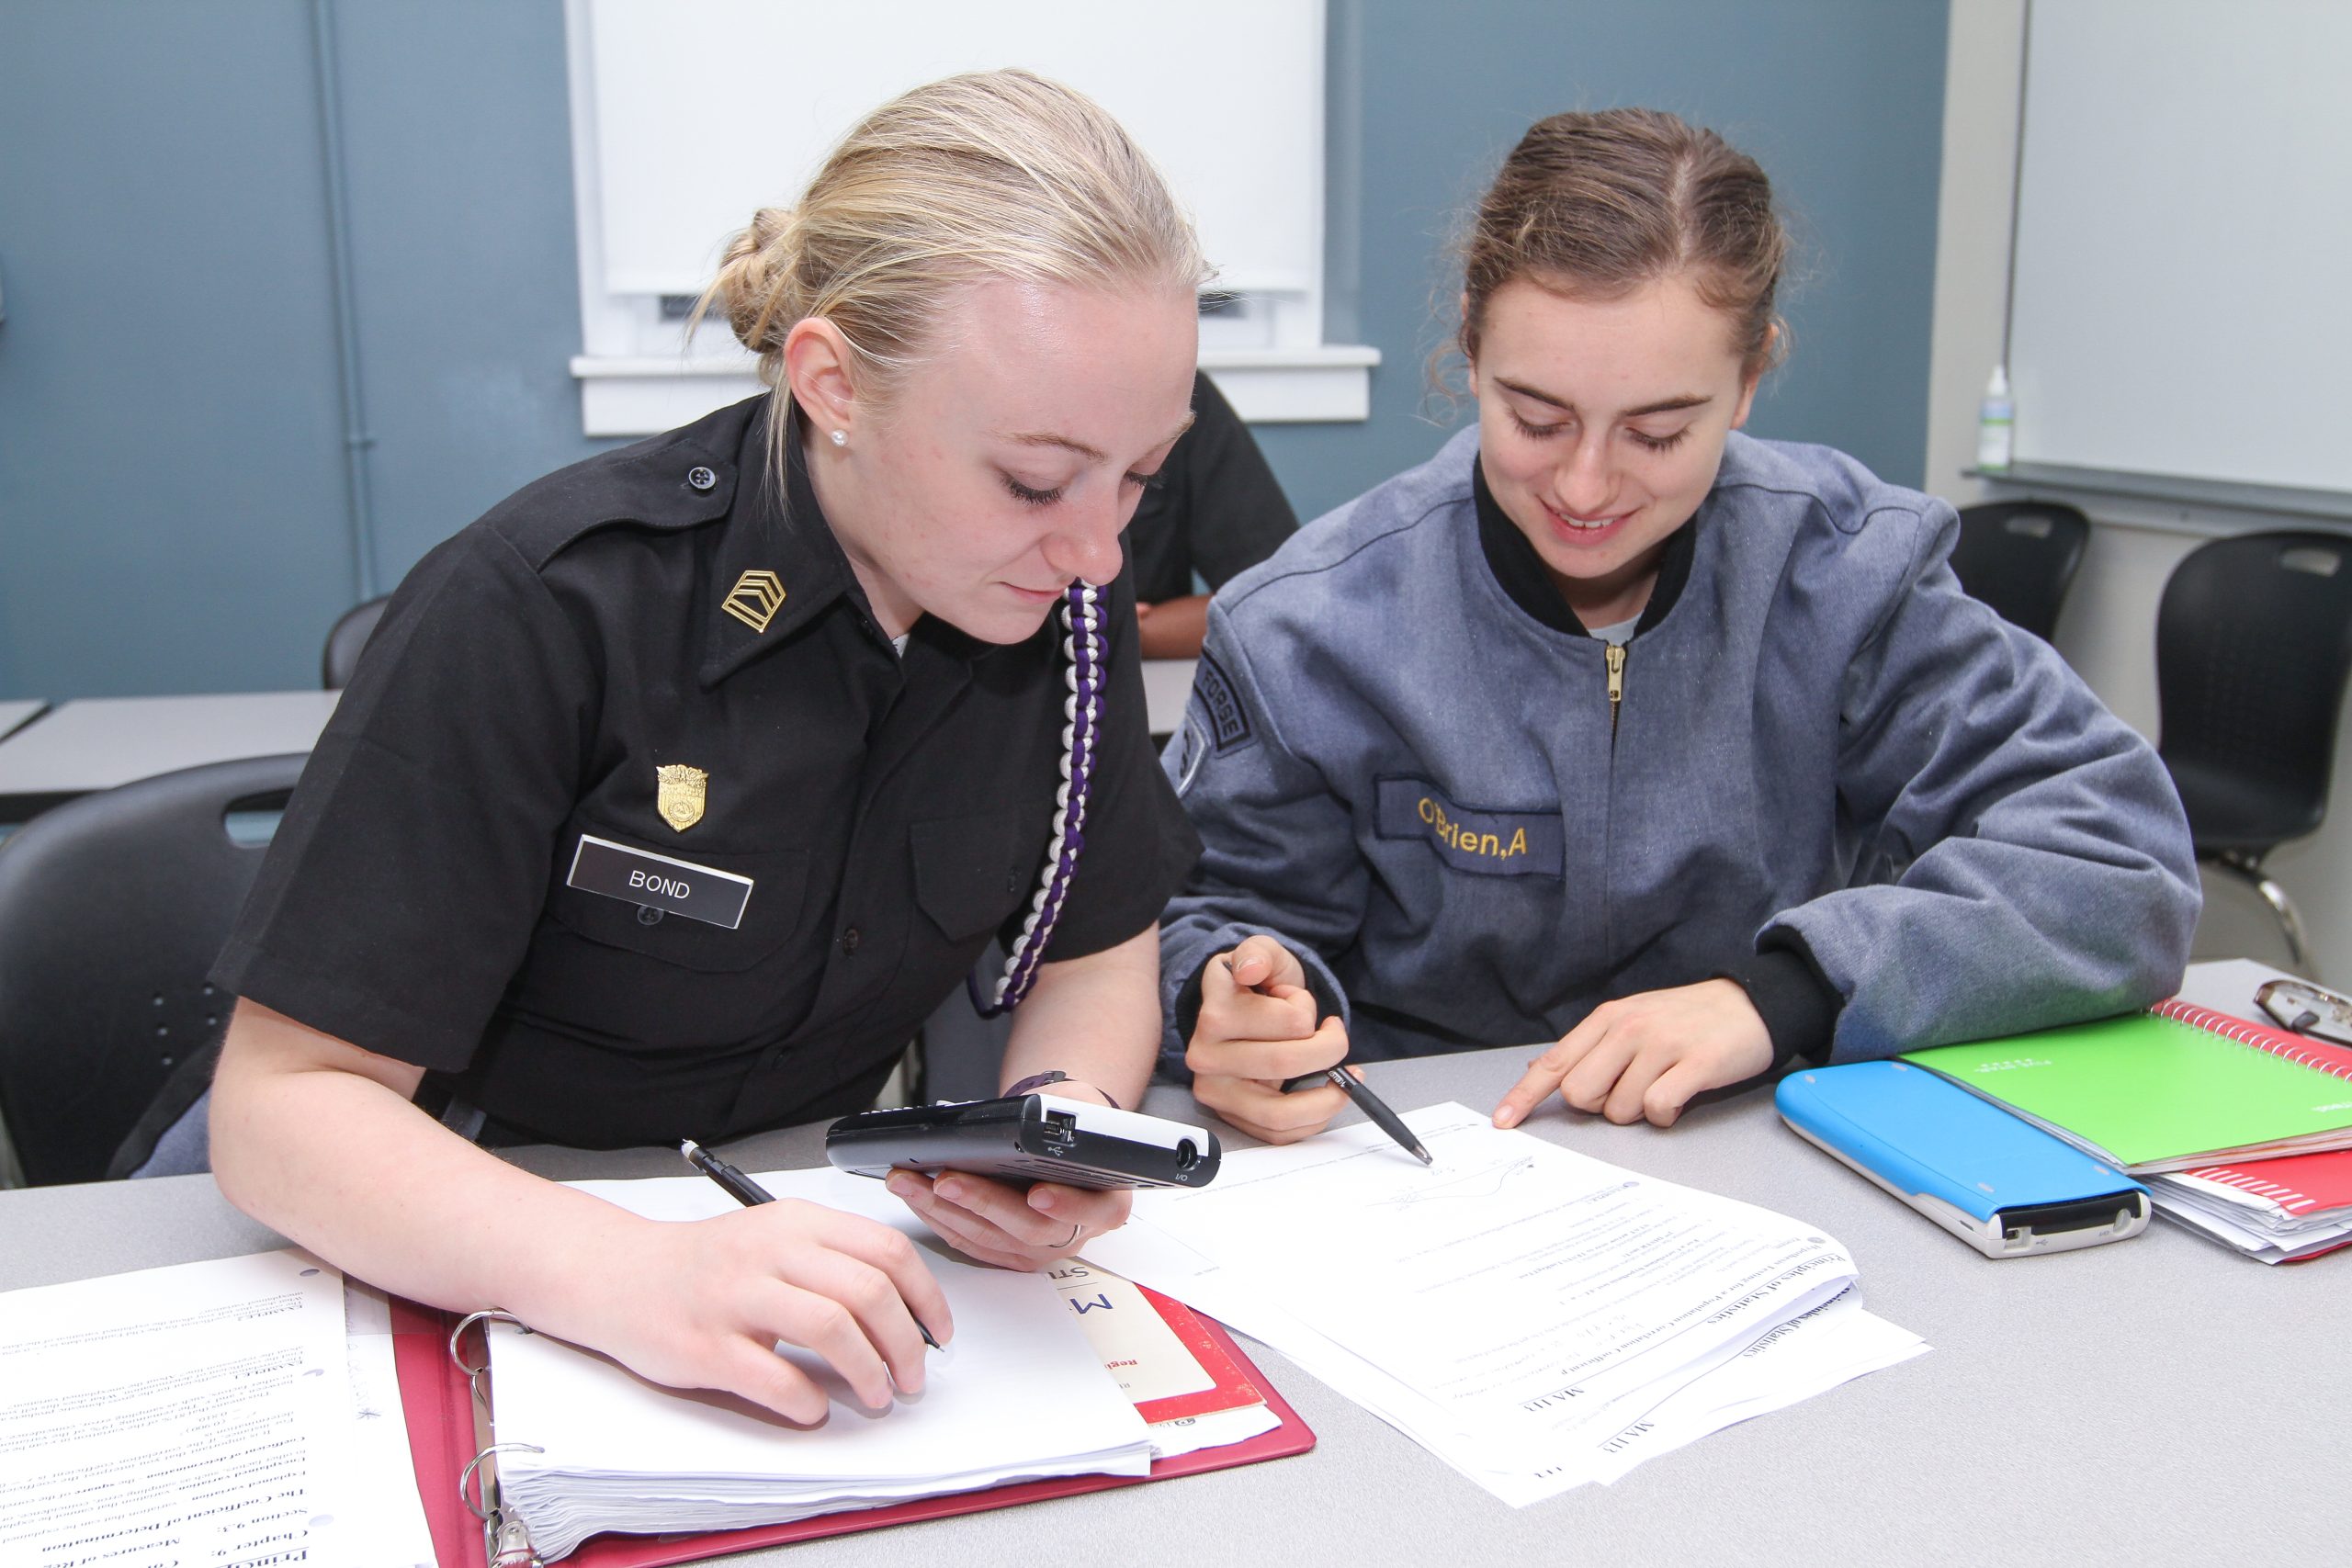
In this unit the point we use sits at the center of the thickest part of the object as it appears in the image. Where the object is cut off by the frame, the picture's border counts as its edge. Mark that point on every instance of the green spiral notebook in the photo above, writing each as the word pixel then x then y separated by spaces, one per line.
pixel 2168 1090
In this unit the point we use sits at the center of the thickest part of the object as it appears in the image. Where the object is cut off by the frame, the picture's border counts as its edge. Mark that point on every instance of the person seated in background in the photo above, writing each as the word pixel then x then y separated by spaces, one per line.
pixel 1612 727
pixel 1214 512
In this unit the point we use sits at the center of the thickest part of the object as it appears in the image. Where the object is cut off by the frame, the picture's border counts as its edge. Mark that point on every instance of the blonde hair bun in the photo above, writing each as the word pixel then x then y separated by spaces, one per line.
pixel 993 175
pixel 746 278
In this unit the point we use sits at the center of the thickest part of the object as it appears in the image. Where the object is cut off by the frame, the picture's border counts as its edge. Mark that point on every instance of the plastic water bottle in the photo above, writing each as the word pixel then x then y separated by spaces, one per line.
pixel 1996 424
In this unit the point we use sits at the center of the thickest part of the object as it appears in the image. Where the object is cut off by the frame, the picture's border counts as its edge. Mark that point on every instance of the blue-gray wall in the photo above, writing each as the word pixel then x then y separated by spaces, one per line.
pixel 1840 100
pixel 174 509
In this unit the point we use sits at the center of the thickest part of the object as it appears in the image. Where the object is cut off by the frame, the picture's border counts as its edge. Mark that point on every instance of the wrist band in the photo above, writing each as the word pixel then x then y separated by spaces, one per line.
pixel 1036 1081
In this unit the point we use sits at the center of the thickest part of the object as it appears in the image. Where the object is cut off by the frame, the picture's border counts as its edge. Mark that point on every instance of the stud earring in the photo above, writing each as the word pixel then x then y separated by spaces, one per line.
pixel 840 437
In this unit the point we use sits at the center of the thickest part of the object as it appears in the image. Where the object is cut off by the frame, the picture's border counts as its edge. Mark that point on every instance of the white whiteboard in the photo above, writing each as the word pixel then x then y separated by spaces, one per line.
pixel 705 110
pixel 2183 296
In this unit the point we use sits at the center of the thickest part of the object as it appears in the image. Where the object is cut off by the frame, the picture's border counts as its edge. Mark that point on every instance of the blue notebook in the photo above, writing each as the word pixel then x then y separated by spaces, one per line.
pixel 2002 1185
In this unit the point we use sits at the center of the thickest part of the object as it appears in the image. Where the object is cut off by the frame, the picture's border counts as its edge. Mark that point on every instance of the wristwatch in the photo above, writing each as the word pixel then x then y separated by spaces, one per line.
pixel 1036 1081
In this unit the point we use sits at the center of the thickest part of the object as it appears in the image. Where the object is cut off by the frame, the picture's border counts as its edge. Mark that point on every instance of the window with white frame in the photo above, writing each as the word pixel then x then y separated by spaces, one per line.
pixel 687 115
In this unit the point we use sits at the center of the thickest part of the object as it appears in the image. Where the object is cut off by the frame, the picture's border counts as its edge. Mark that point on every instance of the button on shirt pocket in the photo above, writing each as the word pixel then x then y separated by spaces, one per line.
pixel 601 969
pixel 970 875
pixel 772 908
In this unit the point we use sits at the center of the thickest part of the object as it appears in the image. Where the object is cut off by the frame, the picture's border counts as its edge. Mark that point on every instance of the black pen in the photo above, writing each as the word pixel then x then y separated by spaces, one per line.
pixel 1371 1104
pixel 750 1194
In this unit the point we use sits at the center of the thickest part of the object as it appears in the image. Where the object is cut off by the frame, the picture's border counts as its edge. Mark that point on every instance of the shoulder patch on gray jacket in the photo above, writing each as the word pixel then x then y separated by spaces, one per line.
pixel 1228 722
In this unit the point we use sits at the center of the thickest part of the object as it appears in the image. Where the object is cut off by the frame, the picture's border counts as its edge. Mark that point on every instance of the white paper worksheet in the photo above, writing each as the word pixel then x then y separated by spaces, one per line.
pixel 1017 1394
pixel 385 1506
pixel 200 1414
pixel 1537 1317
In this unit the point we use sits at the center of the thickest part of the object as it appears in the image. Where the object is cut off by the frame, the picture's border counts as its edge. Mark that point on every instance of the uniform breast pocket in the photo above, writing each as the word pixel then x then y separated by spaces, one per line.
pixel 625 970
pixel 621 893
pixel 971 871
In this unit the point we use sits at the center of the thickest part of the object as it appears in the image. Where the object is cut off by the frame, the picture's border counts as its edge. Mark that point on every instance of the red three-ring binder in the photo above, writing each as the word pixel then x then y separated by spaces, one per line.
pixel 439 1400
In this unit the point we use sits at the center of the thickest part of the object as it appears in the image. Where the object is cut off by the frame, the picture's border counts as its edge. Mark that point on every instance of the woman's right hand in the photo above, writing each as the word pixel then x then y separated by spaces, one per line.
pixel 1258 1028
pixel 320 1141
pixel 702 1305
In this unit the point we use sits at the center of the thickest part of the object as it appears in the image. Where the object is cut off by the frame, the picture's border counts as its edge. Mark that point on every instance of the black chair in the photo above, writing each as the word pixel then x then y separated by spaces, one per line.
pixel 347 640
pixel 2021 557
pixel 112 908
pixel 2254 645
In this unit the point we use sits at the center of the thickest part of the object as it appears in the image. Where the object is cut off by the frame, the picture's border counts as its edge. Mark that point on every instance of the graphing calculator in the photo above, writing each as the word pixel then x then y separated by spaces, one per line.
pixel 1027 1137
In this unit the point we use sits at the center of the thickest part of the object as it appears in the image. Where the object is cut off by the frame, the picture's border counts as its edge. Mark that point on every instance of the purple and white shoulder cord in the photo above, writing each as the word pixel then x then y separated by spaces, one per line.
pixel 1081 620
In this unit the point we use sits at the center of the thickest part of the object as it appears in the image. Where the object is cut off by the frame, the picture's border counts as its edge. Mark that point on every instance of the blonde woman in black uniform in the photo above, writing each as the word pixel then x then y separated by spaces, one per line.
pixel 676 791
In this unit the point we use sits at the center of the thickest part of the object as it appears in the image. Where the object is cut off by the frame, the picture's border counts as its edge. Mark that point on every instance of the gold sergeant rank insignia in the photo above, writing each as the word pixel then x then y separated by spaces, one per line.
pixel 755 599
pixel 679 793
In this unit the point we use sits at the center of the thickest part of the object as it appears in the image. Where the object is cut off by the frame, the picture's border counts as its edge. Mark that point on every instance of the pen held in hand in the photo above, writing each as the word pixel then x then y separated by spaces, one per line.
pixel 750 1194
pixel 1375 1109
pixel 1372 1105
pixel 731 1182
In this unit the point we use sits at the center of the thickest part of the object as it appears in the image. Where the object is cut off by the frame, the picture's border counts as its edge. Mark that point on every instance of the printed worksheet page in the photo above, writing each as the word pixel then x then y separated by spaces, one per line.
pixel 1538 1317
pixel 198 1413
pixel 1516 1282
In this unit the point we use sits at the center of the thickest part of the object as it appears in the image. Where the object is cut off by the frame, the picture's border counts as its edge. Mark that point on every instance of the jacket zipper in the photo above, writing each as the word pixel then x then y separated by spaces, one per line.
pixel 1616 657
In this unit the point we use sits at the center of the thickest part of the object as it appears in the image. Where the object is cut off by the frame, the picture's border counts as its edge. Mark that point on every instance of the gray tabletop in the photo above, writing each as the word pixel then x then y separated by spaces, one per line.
pixel 1167 687
pixel 16 711
pixel 2157 1402
pixel 99 742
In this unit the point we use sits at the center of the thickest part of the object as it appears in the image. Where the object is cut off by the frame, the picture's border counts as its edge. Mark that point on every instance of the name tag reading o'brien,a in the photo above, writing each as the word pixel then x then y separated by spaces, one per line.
pixel 659 882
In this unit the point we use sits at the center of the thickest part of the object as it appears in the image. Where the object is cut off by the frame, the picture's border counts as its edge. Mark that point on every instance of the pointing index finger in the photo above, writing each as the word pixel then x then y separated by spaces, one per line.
pixel 1546 1072
pixel 1539 1083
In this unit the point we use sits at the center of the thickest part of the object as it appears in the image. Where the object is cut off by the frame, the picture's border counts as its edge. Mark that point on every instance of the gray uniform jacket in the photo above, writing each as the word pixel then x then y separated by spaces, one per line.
pixel 1823 749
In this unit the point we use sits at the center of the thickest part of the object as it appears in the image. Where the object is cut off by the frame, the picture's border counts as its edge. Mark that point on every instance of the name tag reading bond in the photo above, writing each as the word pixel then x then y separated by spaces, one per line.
pixel 657 881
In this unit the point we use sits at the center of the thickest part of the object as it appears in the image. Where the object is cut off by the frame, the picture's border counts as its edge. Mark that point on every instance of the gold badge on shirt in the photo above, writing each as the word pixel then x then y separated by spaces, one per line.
pixel 678 795
pixel 755 599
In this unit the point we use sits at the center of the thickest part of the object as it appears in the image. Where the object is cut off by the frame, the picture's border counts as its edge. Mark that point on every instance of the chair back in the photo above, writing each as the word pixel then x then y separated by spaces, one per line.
pixel 2254 645
pixel 112 908
pixel 347 640
pixel 2021 557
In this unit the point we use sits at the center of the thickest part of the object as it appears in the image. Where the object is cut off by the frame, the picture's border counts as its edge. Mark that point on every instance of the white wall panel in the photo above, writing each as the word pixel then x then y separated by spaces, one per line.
pixel 2185 239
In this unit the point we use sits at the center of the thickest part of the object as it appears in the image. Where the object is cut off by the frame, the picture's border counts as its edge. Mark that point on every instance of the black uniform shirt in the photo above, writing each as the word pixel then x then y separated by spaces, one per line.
pixel 1216 509
pixel 527 684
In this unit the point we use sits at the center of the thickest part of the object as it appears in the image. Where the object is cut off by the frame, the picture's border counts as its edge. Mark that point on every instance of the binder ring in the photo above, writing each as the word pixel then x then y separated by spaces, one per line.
pixel 488 1315
pixel 505 1544
pixel 468 1493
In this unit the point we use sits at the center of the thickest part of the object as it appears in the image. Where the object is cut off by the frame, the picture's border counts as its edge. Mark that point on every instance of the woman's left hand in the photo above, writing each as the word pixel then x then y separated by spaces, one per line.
pixel 1010 1226
pixel 986 1219
pixel 1646 1055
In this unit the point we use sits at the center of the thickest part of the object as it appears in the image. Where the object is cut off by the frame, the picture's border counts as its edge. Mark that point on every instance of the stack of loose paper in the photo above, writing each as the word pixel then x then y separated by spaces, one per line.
pixel 2279 1210
pixel 208 1413
pixel 1537 1318
pixel 1018 1395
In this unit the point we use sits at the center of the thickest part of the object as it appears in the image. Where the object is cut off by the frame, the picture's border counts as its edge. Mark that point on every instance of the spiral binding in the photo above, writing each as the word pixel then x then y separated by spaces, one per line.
pixel 1083 646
